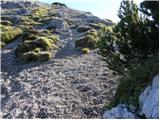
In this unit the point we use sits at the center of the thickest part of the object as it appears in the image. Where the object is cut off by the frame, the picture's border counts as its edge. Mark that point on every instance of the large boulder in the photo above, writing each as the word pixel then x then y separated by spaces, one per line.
pixel 149 100
pixel 119 112
pixel 56 23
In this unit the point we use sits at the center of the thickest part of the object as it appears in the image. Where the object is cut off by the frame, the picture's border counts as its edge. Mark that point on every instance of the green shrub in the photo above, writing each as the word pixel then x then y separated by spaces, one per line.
pixel 39 13
pixel 29 22
pixel 92 32
pixel 37 50
pixel 45 43
pixel 87 41
pixel 8 18
pixel 59 4
pixel 38 42
pixel 44 56
pixel 85 50
pixel 6 22
pixel 24 48
pixel 131 49
pixel 9 33
pixel 28 57
pixel 2 44
pixel 54 38
pixel 134 81
pixel 107 48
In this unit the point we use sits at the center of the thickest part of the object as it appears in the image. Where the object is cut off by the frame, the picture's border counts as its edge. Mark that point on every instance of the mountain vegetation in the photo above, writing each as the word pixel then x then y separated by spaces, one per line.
pixel 58 62
pixel 131 49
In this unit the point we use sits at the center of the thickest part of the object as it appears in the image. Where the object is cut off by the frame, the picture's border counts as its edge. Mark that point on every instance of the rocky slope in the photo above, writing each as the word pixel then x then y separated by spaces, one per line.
pixel 148 105
pixel 70 85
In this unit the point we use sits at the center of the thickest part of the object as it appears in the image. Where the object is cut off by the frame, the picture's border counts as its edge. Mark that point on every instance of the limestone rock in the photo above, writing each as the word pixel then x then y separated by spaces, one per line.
pixel 56 23
pixel 119 112
pixel 149 100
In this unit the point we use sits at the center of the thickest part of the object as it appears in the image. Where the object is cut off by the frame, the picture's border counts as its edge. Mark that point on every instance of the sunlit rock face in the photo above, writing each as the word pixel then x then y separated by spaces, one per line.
pixel 119 112
pixel 149 100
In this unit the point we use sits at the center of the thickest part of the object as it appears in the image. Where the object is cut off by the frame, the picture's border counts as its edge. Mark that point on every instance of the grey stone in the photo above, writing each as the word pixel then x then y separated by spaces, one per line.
pixel 119 112
pixel 56 23
pixel 149 100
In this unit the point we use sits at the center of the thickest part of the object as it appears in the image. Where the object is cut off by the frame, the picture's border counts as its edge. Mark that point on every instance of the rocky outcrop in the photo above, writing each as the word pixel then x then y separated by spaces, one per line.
pixel 119 112
pixel 56 23
pixel 149 100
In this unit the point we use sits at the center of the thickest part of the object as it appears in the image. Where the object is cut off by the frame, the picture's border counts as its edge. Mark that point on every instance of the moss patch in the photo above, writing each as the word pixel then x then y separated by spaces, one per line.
pixel 28 22
pixel 37 43
pixel 28 57
pixel 39 13
pixel 44 56
pixel 6 22
pixel 9 33
pixel 88 41
pixel 85 50
pixel 2 44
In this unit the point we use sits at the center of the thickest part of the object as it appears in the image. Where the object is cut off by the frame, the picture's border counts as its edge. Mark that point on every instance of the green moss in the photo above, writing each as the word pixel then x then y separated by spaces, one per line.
pixel 2 44
pixel 9 33
pixel 39 13
pixel 38 42
pixel 89 41
pixel 24 48
pixel 28 57
pixel 44 56
pixel 85 50
pixel 37 50
pixel 45 43
pixel 53 38
pixel 7 18
pixel 28 22
pixel 92 32
pixel 6 22
pixel 31 37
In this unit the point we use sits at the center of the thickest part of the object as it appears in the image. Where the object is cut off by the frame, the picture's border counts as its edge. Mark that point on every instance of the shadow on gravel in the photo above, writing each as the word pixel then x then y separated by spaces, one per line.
pixel 11 66
pixel 67 51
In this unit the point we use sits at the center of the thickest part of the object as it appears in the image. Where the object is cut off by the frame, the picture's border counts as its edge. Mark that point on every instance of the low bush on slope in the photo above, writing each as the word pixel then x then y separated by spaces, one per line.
pixel 59 4
pixel 8 34
pixel 85 50
pixel 134 81
pixel 89 40
pixel 39 13
pixel 28 23
pixel 36 46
